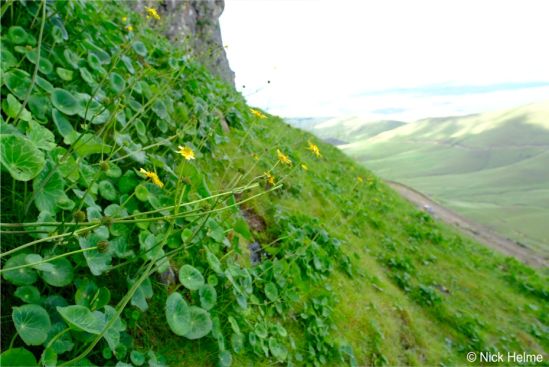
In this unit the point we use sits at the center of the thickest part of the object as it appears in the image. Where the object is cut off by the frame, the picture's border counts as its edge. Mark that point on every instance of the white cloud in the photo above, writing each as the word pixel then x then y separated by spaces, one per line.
pixel 318 54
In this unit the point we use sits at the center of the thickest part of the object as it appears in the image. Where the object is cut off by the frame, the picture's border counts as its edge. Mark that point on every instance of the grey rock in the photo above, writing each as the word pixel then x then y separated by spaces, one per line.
pixel 194 24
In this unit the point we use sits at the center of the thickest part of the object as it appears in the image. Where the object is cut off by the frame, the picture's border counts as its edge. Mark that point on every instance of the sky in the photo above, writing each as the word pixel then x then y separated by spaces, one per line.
pixel 387 59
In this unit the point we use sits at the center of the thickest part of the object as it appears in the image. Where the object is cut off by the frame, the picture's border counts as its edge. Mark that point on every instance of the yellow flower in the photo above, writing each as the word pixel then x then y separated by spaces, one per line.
pixel 360 179
pixel 152 12
pixel 129 27
pixel 153 176
pixel 270 178
pixel 314 148
pixel 304 166
pixel 255 156
pixel 283 158
pixel 186 152
pixel 258 113
pixel 124 19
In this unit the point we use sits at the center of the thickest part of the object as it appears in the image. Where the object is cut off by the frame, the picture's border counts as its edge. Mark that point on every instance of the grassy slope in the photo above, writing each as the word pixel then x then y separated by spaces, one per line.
pixel 387 238
pixel 489 167
pixel 421 294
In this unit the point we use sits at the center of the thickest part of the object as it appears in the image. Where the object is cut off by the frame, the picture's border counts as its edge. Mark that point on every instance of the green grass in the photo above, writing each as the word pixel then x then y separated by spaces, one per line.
pixel 491 167
pixel 351 274
pixel 386 321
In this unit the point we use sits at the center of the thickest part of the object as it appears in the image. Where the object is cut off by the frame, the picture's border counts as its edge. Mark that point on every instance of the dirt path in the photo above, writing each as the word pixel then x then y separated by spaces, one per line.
pixel 474 230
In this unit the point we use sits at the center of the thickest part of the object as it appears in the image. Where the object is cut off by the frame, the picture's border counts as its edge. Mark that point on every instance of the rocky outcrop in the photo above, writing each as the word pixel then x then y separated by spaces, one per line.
pixel 195 25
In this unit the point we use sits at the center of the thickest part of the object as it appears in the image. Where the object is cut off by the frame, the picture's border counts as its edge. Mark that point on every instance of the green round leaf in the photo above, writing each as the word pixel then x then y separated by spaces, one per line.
pixel 127 182
pixel 82 318
pixel 278 350
pixel 200 323
pixel 141 192
pixel 178 314
pixel 28 294
pixel 261 330
pixel 237 342
pixel 190 277
pixel 40 106
pixel 18 35
pixel 44 84
pixel 137 358
pixel 271 291
pixel 61 275
pixel 7 59
pixel 18 82
pixel 225 358
pixel 71 58
pixel 208 296
pixel 17 357
pixel 107 190
pixel 139 48
pixel 214 262
pixel 64 74
pixel 213 280
pixel 65 102
pixel 117 82
pixel 234 324
pixel 94 62
pixel 23 276
pixel 92 110
pixel 63 126
pixel 87 76
pixel 11 106
pixel 44 65
pixel 32 323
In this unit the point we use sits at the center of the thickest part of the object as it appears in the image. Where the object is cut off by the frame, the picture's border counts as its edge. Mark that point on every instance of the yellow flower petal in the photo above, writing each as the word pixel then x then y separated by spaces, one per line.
pixel 283 158
pixel 314 148
pixel 186 152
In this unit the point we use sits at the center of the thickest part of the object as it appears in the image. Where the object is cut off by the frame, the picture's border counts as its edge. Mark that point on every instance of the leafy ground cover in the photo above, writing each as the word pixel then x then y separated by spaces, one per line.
pixel 150 217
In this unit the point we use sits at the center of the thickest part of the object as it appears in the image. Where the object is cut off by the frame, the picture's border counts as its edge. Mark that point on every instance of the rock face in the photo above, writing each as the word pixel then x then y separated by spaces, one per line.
pixel 195 24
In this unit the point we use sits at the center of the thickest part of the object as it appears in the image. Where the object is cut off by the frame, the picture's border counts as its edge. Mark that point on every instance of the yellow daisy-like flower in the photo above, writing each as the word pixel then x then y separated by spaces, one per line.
pixel 314 148
pixel 129 28
pixel 186 152
pixel 258 113
pixel 360 179
pixel 283 158
pixel 152 13
pixel 153 176
pixel 124 19
pixel 270 178
pixel 304 166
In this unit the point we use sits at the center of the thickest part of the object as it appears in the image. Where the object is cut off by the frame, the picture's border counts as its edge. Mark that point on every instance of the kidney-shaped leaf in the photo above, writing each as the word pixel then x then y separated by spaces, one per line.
pixel 65 102
pixel 23 276
pixel 19 156
pixel 82 318
pixel 201 323
pixel 190 277
pixel 208 296
pixel 178 314
pixel 61 275
pixel 17 357
pixel 18 82
pixel 32 323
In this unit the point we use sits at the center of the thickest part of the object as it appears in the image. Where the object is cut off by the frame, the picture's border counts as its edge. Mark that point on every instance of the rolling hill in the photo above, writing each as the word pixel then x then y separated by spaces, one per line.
pixel 491 167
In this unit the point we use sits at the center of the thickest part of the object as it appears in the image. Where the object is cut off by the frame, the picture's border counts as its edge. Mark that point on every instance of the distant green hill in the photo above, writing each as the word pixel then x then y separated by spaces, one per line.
pixel 348 129
pixel 491 167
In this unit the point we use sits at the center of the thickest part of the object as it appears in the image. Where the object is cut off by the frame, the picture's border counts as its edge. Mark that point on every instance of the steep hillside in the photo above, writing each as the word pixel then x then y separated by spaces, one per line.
pixel 490 167
pixel 150 217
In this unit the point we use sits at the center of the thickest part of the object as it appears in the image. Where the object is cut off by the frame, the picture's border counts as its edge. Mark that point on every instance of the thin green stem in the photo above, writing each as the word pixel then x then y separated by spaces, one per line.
pixel 49 259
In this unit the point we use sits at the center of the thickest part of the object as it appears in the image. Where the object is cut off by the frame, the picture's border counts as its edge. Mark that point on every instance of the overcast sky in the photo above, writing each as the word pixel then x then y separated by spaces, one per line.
pixel 388 59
